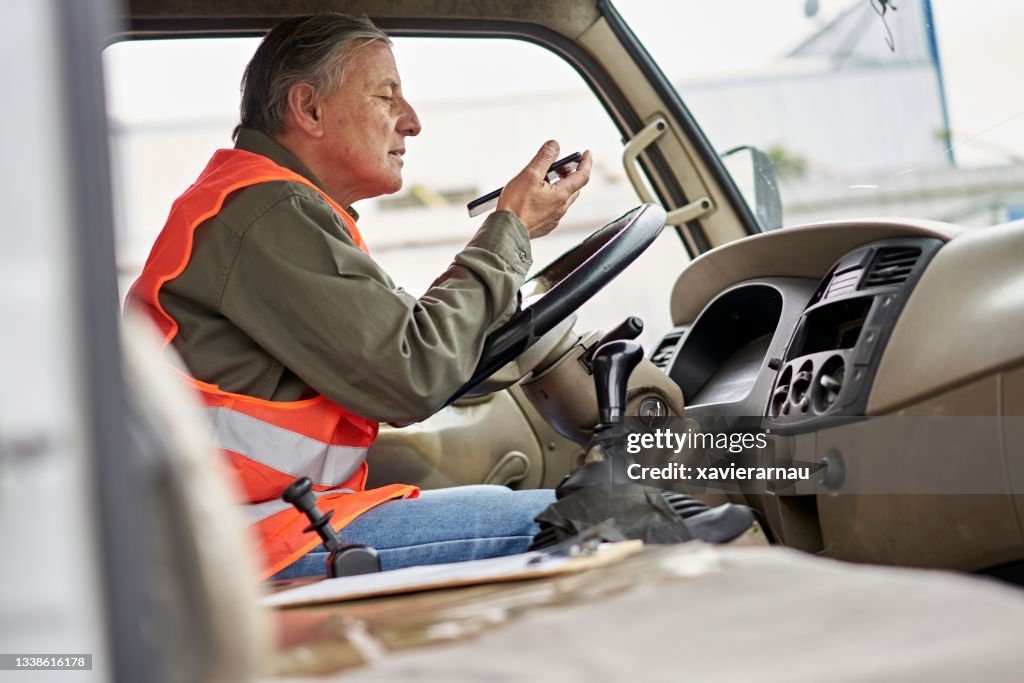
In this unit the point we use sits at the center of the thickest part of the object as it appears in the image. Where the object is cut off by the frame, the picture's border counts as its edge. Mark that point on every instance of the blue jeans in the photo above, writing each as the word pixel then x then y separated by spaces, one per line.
pixel 442 525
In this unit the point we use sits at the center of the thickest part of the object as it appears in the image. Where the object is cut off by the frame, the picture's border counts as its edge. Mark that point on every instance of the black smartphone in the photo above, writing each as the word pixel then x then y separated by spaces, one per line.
pixel 490 200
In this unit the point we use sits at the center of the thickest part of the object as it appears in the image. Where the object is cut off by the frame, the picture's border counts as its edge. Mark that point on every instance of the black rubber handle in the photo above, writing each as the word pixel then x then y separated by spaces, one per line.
pixel 613 363
pixel 630 328
pixel 300 494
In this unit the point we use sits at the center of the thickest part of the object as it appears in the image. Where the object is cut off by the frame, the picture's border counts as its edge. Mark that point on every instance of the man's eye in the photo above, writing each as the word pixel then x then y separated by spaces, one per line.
pixel 386 98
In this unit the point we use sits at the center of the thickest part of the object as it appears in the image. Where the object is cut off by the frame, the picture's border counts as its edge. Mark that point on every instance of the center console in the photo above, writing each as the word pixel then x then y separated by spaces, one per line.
pixel 831 359
pixel 798 351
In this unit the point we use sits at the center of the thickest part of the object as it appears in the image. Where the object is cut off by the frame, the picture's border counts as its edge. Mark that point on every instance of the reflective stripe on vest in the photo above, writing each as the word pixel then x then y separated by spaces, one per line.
pixel 267 443
pixel 284 450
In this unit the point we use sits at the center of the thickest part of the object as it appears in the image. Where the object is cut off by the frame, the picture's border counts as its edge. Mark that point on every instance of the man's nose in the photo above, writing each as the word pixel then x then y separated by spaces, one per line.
pixel 409 123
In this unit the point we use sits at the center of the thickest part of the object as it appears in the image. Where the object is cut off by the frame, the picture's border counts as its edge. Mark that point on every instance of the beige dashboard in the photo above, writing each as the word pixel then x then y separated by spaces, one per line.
pixel 963 321
pixel 955 348
pixel 799 251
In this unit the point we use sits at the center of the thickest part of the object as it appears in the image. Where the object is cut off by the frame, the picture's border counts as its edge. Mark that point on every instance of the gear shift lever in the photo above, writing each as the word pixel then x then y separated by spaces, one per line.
pixel 345 559
pixel 613 363
pixel 600 493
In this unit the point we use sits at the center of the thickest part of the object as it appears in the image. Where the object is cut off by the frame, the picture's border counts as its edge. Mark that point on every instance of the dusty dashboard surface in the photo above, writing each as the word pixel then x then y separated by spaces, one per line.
pixel 696 608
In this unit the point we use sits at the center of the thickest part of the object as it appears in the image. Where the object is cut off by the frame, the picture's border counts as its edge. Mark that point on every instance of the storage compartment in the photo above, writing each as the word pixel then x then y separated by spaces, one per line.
pixel 831 327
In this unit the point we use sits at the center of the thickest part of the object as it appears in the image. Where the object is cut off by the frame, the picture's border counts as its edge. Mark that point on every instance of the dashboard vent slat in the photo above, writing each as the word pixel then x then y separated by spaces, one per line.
pixel 663 353
pixel 842 283
pixel 891 266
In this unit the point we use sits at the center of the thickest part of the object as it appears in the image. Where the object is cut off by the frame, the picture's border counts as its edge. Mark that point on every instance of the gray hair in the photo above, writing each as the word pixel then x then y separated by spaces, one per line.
pixel 306 49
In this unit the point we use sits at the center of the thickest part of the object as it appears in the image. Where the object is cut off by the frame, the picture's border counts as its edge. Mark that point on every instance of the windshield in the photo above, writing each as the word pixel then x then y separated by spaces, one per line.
pixel 865 108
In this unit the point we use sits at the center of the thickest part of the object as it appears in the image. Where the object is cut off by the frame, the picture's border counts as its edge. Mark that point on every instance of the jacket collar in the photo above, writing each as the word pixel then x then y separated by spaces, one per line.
pixel 258 142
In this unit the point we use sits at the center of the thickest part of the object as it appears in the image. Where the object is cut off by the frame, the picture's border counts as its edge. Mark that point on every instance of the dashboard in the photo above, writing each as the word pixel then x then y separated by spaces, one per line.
pixel 805 331
pixel 797 351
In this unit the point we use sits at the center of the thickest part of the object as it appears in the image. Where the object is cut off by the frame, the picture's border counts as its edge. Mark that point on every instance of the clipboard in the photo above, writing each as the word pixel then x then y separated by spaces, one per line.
pixel 432 577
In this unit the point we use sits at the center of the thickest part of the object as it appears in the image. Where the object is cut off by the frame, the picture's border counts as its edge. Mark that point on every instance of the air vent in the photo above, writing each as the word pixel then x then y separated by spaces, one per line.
pixel 843 283
pixel 666 349
pixel 779 404
pixel 829 383
pixel 891 266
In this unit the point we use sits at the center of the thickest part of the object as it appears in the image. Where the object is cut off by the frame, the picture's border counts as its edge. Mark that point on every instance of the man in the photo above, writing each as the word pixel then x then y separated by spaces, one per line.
pixel 297 342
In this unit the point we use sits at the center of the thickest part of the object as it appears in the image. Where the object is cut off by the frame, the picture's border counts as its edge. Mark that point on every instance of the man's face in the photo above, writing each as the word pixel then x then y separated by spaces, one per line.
pixel 365 124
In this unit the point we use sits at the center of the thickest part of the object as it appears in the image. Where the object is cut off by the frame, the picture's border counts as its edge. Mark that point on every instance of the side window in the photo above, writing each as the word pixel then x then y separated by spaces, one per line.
pixel 486 106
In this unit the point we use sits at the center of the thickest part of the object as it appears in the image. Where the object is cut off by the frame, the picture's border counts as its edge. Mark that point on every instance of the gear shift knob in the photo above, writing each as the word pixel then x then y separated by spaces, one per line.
pixel 613 364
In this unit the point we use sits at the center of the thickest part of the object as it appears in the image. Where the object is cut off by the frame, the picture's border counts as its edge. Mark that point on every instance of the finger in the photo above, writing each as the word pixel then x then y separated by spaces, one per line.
pixel 572 199
pixel 578 178
pixel 566 170
pixel 537 169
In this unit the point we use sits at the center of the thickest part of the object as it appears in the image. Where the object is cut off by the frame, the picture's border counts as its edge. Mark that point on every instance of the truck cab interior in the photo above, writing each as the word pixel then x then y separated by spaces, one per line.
pixel 885 352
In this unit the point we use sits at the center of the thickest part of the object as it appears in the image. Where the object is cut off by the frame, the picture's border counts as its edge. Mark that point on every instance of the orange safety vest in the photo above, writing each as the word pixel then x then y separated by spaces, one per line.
pixel 269 444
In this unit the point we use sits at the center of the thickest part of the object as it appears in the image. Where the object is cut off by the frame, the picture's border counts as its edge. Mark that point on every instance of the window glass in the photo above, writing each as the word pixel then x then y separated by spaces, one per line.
pixel 866 108
pixel 486 106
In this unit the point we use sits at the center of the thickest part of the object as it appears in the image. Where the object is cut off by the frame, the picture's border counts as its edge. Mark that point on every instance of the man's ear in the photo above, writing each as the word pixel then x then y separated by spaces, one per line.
pixel 304 109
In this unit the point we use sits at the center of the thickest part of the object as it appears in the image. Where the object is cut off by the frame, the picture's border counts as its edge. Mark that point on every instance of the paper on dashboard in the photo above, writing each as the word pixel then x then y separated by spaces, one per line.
pixel 429 577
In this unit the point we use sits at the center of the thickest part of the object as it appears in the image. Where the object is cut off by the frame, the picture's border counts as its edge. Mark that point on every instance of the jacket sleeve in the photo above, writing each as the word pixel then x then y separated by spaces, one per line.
pixel 302 290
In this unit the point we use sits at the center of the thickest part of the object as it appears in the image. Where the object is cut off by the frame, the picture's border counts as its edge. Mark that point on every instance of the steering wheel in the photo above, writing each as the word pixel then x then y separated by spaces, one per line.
pixel 567 283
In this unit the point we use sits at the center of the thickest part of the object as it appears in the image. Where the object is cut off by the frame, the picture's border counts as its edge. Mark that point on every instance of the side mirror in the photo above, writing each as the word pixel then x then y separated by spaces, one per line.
pixel 754 175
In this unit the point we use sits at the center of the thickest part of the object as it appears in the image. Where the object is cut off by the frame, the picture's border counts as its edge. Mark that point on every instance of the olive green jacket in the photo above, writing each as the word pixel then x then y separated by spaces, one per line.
pixel 277 302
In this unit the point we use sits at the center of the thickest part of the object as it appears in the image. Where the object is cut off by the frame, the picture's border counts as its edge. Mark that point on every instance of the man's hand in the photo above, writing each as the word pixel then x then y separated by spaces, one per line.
pixel 538 203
